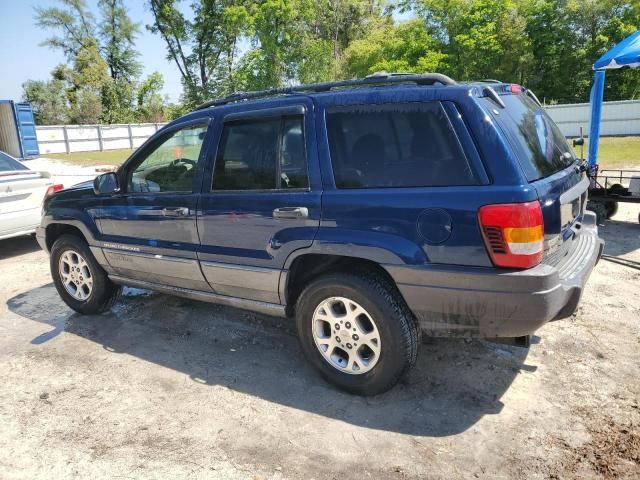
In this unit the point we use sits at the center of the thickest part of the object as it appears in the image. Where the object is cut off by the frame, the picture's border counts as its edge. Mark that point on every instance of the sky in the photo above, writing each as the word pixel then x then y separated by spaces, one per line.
pixel 22 58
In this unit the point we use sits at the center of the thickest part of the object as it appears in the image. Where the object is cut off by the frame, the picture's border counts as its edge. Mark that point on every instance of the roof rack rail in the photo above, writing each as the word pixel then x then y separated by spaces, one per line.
pixel 378 78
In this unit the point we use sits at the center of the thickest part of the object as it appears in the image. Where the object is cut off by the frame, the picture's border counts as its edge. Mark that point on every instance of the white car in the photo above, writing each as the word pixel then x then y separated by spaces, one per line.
pixel 21 194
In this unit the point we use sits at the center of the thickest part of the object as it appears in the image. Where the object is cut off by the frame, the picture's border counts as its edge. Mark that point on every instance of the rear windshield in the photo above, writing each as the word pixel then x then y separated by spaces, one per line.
pixel 7 163
pixel 541 148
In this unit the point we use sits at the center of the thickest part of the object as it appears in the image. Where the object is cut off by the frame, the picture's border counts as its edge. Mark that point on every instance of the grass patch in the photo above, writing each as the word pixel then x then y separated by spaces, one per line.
pixel 107 157
pixel 615 152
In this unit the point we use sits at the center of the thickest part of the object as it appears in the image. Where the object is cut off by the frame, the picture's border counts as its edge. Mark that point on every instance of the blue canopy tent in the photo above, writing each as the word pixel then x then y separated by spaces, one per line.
pixel 624 54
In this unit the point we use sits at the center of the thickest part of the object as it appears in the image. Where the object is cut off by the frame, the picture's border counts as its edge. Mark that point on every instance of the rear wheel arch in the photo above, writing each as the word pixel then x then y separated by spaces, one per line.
pixel 307 267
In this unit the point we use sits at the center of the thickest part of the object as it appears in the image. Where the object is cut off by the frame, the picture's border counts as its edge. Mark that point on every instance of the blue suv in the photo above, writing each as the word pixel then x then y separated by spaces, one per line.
pixel 372 211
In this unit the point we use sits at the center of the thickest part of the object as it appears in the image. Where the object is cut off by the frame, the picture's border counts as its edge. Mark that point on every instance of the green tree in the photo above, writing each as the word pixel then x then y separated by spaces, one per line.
pixel 598 26
pixel 89 78
pixel 407 47
pixel 48 99
pixel 553 50
pixel 278 32
pixel 481 38
pixel 89 46
pixel 150 102
pixel 204 47
pixel 73 21
pixel 118 33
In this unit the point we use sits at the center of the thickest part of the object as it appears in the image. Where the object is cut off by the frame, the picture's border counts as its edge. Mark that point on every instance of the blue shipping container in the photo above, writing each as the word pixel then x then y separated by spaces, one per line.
pixel 18 130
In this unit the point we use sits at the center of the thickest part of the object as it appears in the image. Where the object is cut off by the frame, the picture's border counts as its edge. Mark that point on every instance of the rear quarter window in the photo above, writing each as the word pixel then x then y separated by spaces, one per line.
pixel 396 145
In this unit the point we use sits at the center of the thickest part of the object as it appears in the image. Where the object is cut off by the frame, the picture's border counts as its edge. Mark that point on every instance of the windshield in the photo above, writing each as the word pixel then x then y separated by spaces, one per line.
pixel 8 163
pixel 541 148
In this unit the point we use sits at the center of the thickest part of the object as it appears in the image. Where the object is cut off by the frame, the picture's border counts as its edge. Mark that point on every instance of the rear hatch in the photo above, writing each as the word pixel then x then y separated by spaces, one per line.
pixel 548 163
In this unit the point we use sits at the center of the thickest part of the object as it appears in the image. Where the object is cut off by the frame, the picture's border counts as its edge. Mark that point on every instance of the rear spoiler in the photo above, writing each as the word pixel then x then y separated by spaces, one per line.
pixel 23 173
pixel 497 88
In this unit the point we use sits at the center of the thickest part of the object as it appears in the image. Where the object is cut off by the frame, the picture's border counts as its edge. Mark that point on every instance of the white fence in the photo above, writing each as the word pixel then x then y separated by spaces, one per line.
pixel 618 118
pixel 88 138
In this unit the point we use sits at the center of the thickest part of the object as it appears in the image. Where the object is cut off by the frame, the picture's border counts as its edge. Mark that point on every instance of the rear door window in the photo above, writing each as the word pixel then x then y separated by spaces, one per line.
pixel 396 145
pixel 266 154
pixel 541 148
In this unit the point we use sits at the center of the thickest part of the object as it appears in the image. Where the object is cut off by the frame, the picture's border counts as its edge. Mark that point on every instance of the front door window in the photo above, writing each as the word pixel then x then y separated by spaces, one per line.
pixel 171 166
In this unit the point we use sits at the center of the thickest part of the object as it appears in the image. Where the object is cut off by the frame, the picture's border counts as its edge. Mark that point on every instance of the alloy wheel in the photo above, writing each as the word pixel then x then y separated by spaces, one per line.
pixel 346 335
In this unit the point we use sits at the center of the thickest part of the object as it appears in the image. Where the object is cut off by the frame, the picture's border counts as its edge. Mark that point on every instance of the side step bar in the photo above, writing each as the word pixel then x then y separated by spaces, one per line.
pixel 242 303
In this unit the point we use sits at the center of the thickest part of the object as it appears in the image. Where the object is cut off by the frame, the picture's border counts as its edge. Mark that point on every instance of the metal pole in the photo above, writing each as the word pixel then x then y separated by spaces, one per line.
pixel 597 94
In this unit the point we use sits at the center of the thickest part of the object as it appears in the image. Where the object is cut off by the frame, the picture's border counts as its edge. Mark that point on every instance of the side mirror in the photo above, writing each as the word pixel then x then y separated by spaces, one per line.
pixel 106 183
pixel 578 142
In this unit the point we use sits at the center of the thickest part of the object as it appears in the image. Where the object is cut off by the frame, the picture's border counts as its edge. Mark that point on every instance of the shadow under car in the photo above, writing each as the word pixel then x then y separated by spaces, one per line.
pixel 454 384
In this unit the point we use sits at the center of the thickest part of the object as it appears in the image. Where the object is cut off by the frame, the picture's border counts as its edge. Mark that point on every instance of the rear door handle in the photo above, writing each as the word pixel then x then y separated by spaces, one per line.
pixel 175 212
pixel 291 212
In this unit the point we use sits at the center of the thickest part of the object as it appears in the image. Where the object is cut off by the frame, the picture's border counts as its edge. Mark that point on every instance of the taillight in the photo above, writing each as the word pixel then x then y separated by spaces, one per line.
pixel 513 233
pixel 515 88
pixel 53 189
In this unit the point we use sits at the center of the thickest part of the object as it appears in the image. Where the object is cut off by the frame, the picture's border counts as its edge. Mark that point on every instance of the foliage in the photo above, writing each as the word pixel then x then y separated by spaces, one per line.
pixel 548 45
pixel 48 99
pixel 118 32
pixel 150 102
pixel 204 48
pixel 224 46
pixel 101 82
pixel 408 47
pixel 75 23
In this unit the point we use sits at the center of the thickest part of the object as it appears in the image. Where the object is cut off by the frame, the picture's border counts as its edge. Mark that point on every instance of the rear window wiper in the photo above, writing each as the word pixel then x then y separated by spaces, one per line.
pixel 581 165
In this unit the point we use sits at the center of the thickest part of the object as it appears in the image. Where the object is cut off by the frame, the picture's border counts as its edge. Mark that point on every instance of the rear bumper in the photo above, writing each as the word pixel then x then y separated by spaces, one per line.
pixel 22 222
pixel 479 302
pixel 41 233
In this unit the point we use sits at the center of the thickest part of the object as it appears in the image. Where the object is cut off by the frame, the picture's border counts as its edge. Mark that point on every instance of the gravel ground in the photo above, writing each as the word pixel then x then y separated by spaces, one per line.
pixel 162 387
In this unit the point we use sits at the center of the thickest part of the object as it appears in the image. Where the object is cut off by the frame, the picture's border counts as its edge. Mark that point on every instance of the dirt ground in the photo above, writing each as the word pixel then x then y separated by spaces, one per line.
pixel 162 387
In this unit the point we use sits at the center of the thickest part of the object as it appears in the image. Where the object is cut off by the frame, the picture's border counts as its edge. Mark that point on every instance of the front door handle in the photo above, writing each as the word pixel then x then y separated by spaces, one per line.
pixel 291 212
pixel 175 212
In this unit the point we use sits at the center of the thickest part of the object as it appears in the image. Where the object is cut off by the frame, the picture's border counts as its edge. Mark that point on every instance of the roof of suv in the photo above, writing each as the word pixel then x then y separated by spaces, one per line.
pixel 376 79
pixel 478 88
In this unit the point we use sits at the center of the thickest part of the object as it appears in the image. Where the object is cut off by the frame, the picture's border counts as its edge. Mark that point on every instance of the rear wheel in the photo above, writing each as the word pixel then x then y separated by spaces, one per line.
pixel 611 205
pixel 611 208
pixel 599 209
pixel 357 331
pixel 79 279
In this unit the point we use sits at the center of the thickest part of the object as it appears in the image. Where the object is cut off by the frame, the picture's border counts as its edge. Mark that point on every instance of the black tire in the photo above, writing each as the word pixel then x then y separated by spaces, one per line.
pixel 599 209
pixel 103 293
pixel 396 325
pixel 612 205
pixel 611 208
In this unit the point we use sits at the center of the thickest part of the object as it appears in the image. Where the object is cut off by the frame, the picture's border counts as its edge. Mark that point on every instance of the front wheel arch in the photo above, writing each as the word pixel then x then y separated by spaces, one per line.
pixel 57 230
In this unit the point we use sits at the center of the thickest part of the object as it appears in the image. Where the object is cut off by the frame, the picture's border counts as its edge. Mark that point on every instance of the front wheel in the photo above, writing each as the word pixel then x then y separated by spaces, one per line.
pixel 80 280
pixel 357 331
